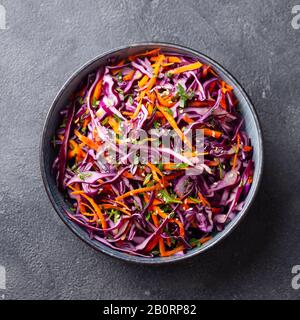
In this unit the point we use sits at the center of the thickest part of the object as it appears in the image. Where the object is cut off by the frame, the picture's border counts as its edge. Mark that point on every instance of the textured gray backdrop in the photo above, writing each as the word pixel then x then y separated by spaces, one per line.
pixel 44 43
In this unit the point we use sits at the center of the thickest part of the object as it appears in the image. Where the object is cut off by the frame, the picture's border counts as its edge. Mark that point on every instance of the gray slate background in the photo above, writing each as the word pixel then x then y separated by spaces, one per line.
pixel 44 43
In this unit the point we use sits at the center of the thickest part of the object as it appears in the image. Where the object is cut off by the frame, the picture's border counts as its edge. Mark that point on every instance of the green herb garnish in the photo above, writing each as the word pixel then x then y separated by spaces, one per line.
pixel 136 160
pixel 169 111
pixel 95 103
pixel 168 198
pixel 147 178
pixel 130 99
pixel 148 215
pixel 181 165
pixel 156 124
pixel 160 166
pixel 80 100
pixel 120 90
pixel 184 96
pixel 155 252
pixel 83 176
pixel 195 242
pixel 120 77
pixel 104 121
pixel 115 214
pixel 117 118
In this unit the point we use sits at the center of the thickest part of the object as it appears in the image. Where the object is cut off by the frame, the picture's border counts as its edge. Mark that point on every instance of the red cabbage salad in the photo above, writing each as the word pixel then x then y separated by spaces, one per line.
pixel 170 200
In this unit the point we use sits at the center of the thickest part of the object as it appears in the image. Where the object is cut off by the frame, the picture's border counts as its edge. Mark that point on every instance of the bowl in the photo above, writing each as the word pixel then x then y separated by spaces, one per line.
pixel 47 155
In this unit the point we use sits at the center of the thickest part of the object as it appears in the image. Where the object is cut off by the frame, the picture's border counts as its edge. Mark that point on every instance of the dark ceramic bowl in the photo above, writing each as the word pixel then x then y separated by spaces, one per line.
pixel 47 152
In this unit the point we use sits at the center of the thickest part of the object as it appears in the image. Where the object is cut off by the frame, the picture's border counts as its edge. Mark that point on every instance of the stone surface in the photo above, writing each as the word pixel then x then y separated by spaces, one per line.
pixel 45 41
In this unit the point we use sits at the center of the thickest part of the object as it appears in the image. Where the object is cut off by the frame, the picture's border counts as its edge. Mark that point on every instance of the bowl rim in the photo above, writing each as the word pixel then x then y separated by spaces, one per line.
pixel 214 241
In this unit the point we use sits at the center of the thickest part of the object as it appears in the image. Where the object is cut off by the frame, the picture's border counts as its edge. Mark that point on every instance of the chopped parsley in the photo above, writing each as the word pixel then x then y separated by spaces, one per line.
pixel 156 124
pixel 95 103
pixel 147 178
pixel 183 95
pixel 83 176
pixel 194 242
pixel 104 121
pixel 169 198
pixel 120 77
pixel 130 100
pixel 181 165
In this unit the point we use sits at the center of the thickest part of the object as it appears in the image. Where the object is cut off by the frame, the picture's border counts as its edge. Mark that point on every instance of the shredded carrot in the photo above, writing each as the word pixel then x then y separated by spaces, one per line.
pixel 154 168
pixel 155 220
pixel 150 109
pixel 164 65
pixel 173 176
pixel 87 206
pixel 87 214
pixel 155 176
pixel 160 212
pixel 237 151
pixel 174 59
pixel 173 124
pixel 188 67
pixel 137 191
pixel 172 252
pixel 215 210
pixel 205 239
pixel 76 151
pixel 180 225
pixel 129 75
pixel 86 140
pixel 226 87
pixel 138 108
pixel 200 103
pixel 95 207
pixel 96 137
pixel 212 133
pixel 151 96
pixel 187 119
pixel 161 240
pixel 247 148
pixel 169 243
pixel 155 202
pixel 223 102
pixel 86 122
pixel 128 175
pixel 170 166
pixel 159 115
pixel 211 70
pixel 145 54
pixel 164 101
pixel 156 68
pixel 213 163
pixel 111 206
pixel 97 91
pixel 120 65
pixel 114 124
pixel 122 204
pixel 127 113
pixel 203 200
pixel 143 81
